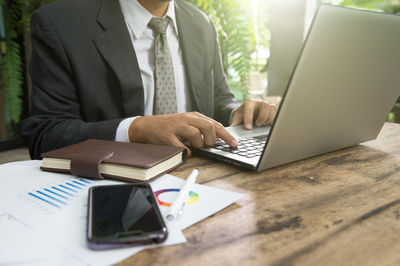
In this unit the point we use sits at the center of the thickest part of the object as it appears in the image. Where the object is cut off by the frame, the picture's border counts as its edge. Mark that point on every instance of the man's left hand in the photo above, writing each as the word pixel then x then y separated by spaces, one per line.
pixel 259 111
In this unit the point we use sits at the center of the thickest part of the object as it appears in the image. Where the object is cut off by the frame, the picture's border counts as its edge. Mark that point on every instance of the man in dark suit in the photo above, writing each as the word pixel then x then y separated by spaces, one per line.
pixel 94 76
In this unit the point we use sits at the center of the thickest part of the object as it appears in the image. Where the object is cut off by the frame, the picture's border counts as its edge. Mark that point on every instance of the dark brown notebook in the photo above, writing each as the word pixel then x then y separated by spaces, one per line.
pixel 118 160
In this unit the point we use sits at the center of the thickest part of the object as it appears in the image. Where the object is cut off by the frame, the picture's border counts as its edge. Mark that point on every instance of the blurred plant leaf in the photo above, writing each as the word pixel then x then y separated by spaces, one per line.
pixel 236 36
pixel 17 20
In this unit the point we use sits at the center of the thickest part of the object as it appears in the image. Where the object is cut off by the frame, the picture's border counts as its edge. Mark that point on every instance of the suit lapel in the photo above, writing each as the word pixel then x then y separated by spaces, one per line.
pixel 115 45
pixel 192 48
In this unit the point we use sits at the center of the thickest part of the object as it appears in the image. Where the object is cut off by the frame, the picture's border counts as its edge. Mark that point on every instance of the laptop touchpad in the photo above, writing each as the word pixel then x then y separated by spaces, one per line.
pixel 240 132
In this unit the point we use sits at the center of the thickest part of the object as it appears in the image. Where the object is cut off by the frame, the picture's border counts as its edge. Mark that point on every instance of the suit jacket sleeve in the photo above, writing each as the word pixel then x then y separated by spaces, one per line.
pixel 56 119
pixel 225 101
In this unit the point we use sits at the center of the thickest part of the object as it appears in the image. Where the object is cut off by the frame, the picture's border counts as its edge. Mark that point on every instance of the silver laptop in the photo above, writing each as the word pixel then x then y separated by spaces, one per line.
pixel 345 82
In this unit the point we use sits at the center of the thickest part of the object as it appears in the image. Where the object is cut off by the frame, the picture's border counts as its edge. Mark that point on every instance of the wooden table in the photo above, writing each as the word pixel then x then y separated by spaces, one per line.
pixel 341 208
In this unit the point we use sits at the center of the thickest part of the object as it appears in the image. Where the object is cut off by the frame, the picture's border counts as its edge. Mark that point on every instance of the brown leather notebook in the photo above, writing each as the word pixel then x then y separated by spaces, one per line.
pixel 110 159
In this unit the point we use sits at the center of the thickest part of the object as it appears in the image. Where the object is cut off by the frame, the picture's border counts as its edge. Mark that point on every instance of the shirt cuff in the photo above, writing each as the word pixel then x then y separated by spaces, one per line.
pixel 122 133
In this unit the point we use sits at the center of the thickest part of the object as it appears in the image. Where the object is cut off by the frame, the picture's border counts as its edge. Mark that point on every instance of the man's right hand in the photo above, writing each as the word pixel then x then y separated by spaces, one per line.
pixel 172 129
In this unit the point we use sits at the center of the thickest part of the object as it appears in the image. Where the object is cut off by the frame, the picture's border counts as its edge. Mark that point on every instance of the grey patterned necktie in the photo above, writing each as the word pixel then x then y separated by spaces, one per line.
pixel 165 93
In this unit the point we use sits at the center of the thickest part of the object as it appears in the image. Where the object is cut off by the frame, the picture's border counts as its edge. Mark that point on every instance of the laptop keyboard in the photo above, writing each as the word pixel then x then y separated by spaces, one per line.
pixel 249 147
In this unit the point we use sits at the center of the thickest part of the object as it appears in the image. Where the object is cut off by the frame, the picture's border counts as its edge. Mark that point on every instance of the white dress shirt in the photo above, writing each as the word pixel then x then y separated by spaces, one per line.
pixel 143 39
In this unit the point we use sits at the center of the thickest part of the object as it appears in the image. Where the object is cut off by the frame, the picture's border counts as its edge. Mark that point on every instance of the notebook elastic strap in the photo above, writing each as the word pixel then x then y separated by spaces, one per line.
pixel 87 165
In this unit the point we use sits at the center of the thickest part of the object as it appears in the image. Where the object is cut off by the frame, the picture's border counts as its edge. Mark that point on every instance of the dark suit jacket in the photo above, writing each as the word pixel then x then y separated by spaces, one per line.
pixel 86 78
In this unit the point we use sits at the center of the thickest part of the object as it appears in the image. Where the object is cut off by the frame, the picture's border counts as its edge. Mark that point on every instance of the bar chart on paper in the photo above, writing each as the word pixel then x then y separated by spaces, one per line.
pixel 56 196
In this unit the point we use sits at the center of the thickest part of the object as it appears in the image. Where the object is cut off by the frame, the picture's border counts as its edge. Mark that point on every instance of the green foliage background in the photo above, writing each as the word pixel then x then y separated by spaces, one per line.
pixel 389 6
pixel 11 68
pixel 232 19
pixel 17 21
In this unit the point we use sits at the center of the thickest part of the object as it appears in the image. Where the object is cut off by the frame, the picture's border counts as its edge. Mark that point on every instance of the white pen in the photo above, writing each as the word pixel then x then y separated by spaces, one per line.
pixel 183 196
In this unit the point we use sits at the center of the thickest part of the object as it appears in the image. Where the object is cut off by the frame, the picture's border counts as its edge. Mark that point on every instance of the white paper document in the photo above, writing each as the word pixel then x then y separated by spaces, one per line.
pixel 203 201
pixel 17 237
pixel 55 206
pixel 43 215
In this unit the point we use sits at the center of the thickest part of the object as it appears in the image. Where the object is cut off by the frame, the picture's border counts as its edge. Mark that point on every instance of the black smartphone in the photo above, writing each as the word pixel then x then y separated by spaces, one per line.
pixel 123 215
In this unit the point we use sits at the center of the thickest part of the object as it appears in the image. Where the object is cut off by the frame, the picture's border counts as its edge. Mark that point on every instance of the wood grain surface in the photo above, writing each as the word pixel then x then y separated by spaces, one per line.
pixel 340 208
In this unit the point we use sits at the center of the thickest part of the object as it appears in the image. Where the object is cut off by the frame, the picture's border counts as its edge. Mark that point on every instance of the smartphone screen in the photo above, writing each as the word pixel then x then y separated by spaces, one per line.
pixel 124 214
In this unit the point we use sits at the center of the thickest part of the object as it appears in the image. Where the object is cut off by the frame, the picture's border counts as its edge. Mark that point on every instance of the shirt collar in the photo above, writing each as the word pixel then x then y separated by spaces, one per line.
pixel 138 17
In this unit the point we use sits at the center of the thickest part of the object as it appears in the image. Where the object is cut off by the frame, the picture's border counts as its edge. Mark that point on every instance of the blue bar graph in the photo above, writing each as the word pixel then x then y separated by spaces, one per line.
pixel 55 193
pixel 68 188
pixel 76 182
pixel 50 197
pixel 63 191
pixel 56 196
pixel 74 186
pixel 49 202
